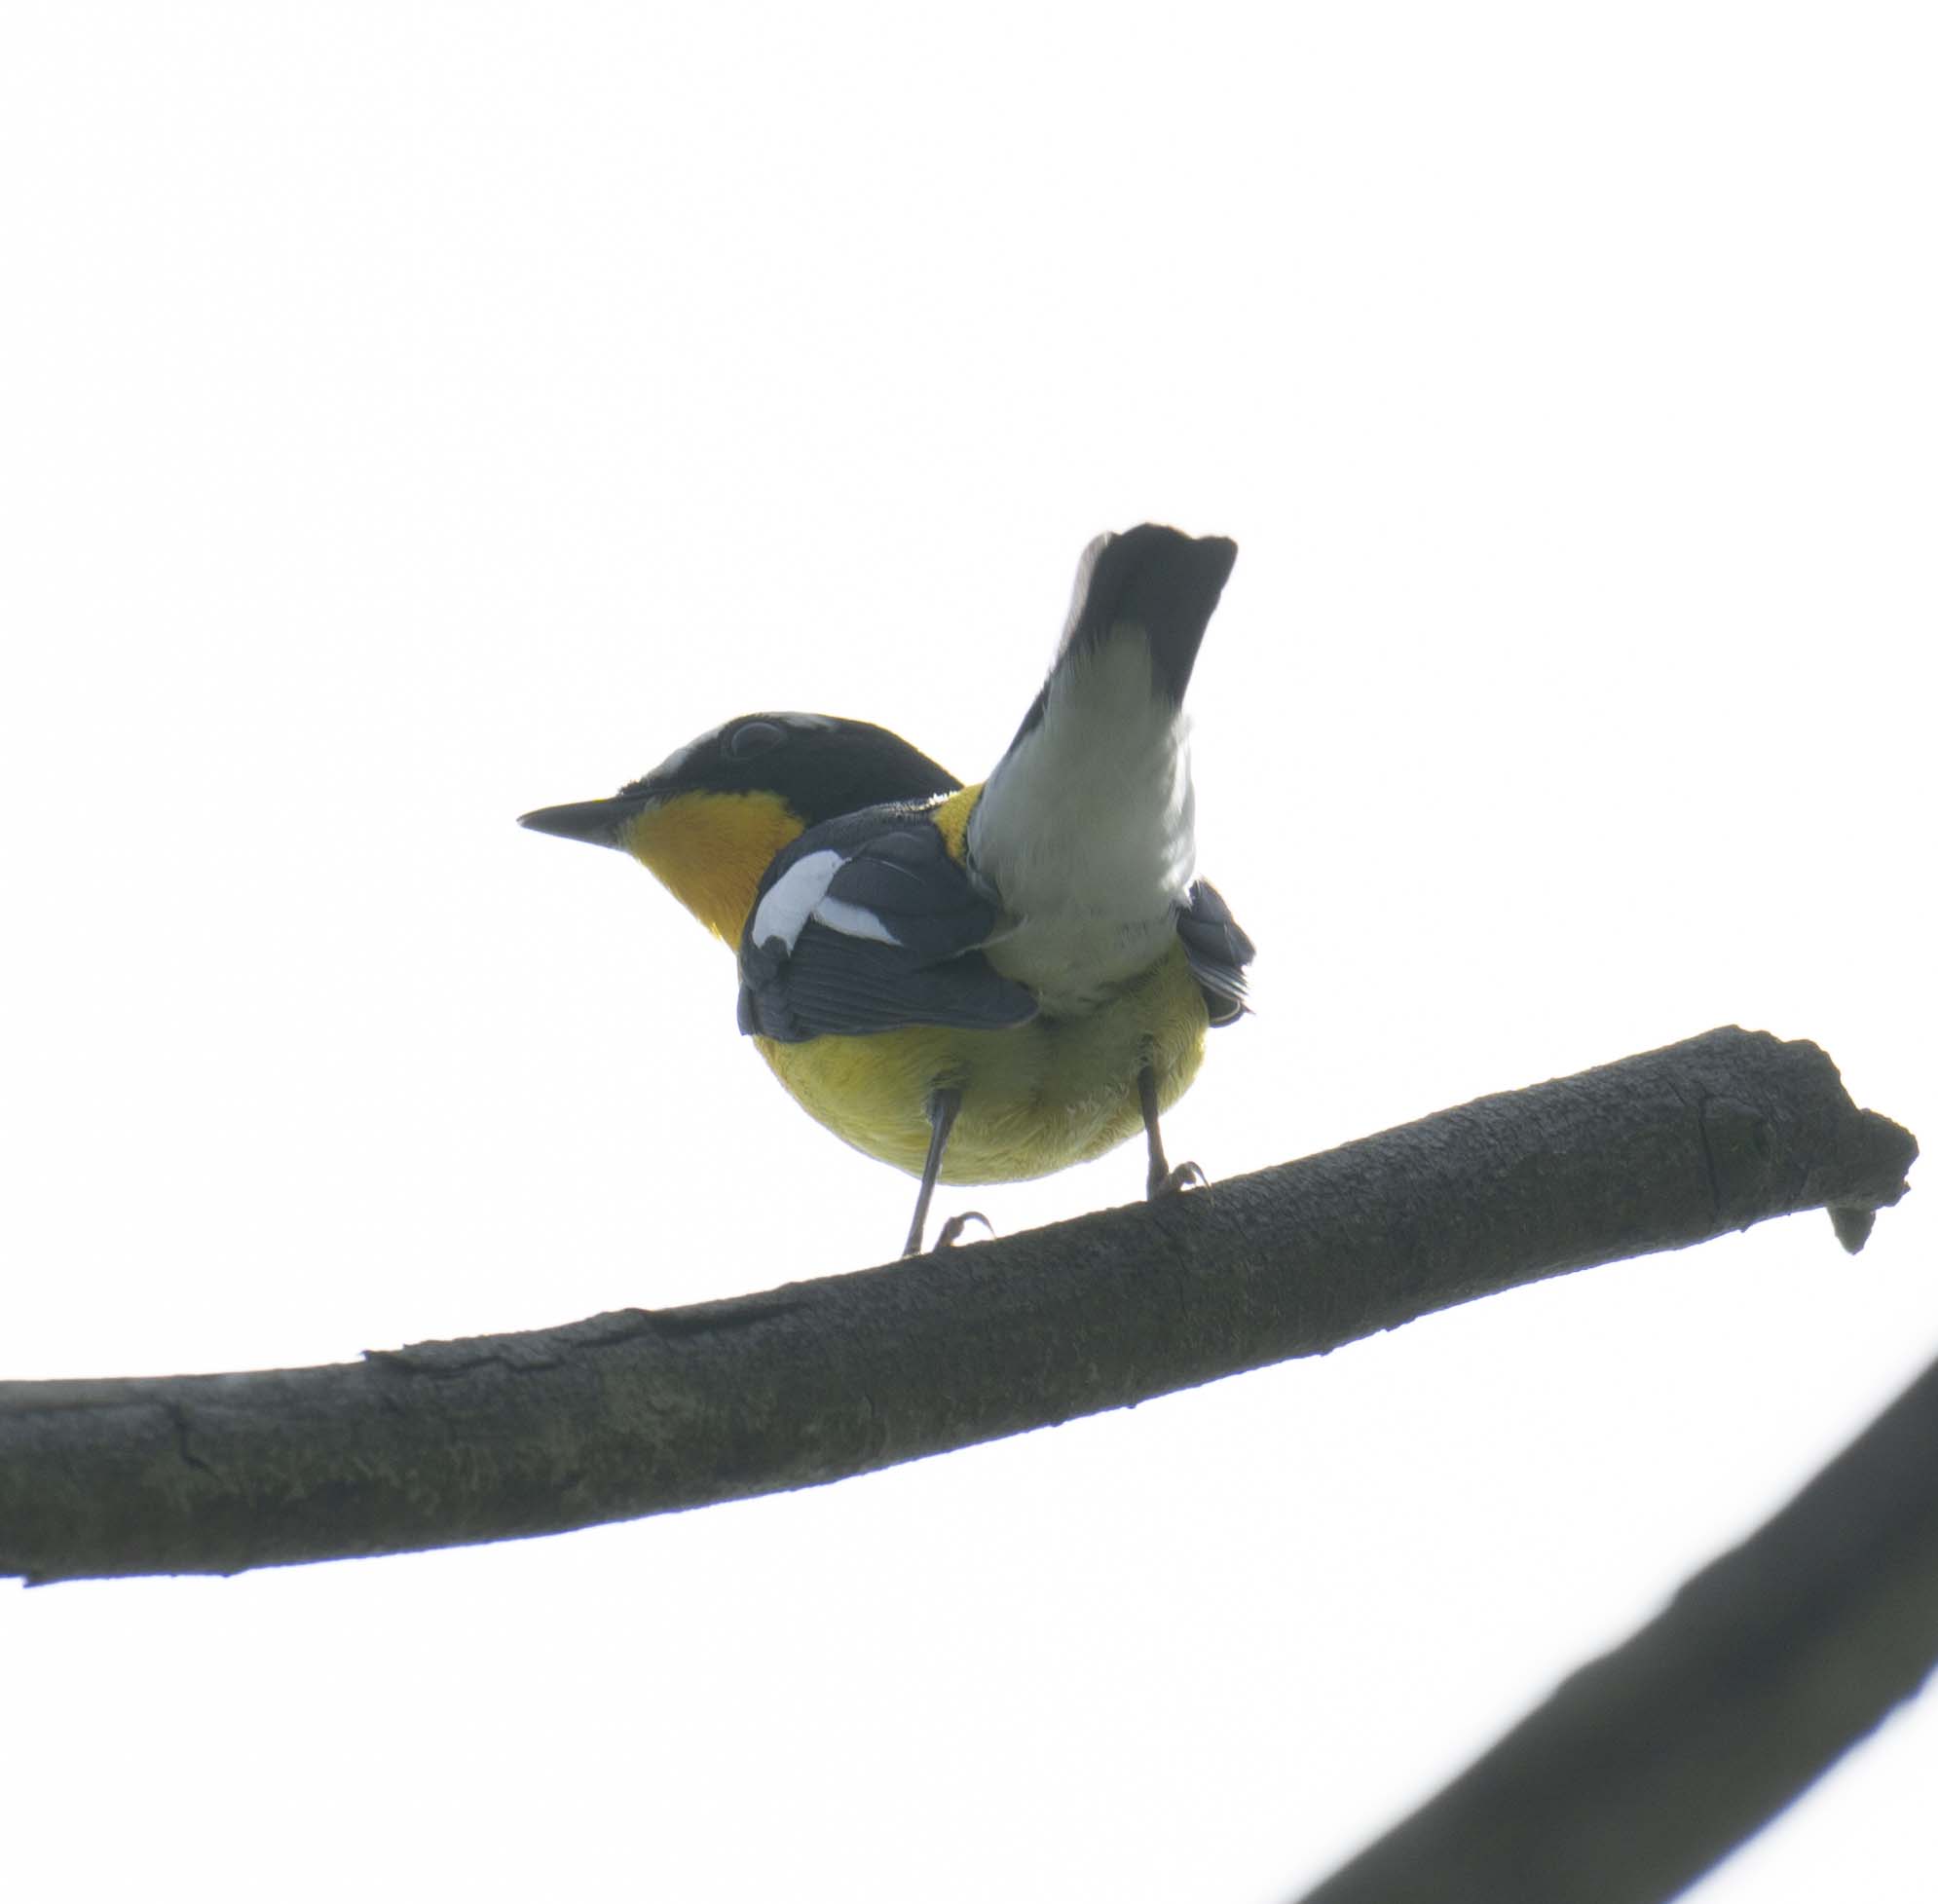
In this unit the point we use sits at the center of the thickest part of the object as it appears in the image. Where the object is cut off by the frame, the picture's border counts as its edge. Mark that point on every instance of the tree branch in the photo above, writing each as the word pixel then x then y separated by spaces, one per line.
pixel 1656 1760
pixel 643 1411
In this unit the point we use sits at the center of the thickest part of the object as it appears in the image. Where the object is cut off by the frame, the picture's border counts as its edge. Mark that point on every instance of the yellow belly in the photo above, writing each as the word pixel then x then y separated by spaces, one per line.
pixel 1036 1098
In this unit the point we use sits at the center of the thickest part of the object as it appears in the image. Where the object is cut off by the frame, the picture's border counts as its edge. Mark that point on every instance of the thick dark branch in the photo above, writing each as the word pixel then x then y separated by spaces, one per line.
pixel 1655 1761
pixel 642 1411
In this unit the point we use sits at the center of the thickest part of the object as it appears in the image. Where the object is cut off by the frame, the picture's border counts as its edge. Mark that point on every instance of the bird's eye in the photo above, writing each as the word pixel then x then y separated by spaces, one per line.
pixel 752 737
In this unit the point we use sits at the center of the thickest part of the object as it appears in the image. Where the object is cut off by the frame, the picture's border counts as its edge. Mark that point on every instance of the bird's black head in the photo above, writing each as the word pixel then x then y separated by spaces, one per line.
pixel 821 766
pixel 817 766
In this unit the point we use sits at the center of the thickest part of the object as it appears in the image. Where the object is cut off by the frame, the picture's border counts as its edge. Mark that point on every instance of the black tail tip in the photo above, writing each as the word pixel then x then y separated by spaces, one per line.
pixel 1158 579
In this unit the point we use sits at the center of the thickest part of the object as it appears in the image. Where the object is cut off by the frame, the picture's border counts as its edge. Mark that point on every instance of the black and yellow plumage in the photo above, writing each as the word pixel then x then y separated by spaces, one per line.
pixel 974 984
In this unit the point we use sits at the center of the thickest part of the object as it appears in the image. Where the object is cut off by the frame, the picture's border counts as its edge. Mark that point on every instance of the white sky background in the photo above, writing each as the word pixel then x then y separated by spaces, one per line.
pixel 413 415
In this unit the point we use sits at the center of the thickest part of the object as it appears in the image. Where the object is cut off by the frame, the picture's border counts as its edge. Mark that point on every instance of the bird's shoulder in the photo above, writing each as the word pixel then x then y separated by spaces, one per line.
pixel 868 923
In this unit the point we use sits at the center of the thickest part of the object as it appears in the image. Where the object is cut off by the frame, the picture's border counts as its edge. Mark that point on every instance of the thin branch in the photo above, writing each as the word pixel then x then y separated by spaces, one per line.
pixel 1657 1759
pixel 643 1411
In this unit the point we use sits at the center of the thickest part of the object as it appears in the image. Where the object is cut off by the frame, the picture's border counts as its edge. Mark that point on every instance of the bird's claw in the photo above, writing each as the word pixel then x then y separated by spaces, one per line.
pixel 1171 1183
pixel 951 1232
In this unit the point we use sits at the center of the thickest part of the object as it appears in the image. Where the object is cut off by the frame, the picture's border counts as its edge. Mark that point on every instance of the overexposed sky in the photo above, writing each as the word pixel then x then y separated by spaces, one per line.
pixel 411 415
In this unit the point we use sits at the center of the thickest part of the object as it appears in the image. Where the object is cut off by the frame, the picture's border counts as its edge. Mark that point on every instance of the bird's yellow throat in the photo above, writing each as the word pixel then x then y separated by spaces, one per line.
pixel 709 851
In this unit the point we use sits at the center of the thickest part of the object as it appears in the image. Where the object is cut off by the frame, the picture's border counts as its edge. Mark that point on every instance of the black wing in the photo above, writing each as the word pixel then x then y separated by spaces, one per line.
pixel 1217 952
pixel 866 925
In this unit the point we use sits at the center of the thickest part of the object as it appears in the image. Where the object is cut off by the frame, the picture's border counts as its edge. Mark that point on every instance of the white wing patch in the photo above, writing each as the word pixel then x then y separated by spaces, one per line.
pixel 790 902
pixel 857 921
pixel 801 894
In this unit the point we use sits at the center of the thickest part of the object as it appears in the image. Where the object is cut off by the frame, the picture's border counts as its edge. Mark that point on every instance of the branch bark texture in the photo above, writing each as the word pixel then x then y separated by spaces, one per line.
pixel 643 1411
pixel 1653 1762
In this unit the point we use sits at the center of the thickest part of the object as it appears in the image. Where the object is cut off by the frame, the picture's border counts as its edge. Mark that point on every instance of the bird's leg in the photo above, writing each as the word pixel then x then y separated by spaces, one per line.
pixel 1159 1181
pixel 943 1103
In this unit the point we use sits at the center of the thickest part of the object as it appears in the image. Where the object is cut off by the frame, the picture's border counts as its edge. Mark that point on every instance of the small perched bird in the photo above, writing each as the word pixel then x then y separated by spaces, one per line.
pixel 974 984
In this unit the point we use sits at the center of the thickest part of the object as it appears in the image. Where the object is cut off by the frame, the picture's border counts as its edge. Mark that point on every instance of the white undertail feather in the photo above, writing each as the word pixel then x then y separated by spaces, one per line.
pixel 1085 829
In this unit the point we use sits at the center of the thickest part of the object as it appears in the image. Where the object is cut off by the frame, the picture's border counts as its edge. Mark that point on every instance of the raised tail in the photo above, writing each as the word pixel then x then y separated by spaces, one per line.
pixel 1153 579
pixel 1083 832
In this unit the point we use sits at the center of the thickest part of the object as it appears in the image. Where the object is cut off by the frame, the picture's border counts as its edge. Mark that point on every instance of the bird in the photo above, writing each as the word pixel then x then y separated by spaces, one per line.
pixel 974 984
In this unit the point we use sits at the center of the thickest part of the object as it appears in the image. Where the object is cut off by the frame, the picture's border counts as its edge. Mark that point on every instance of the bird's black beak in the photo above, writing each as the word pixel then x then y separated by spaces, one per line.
pixel 597 822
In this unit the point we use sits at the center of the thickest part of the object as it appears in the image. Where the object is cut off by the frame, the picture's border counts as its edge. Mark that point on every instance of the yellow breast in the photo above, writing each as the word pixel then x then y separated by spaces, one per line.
pixel 1036 1098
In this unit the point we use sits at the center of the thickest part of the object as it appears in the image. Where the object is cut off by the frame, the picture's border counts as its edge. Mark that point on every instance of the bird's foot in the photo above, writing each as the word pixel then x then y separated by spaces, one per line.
pixel 947 1237
pixel 951 1233
pixel 1171 1182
